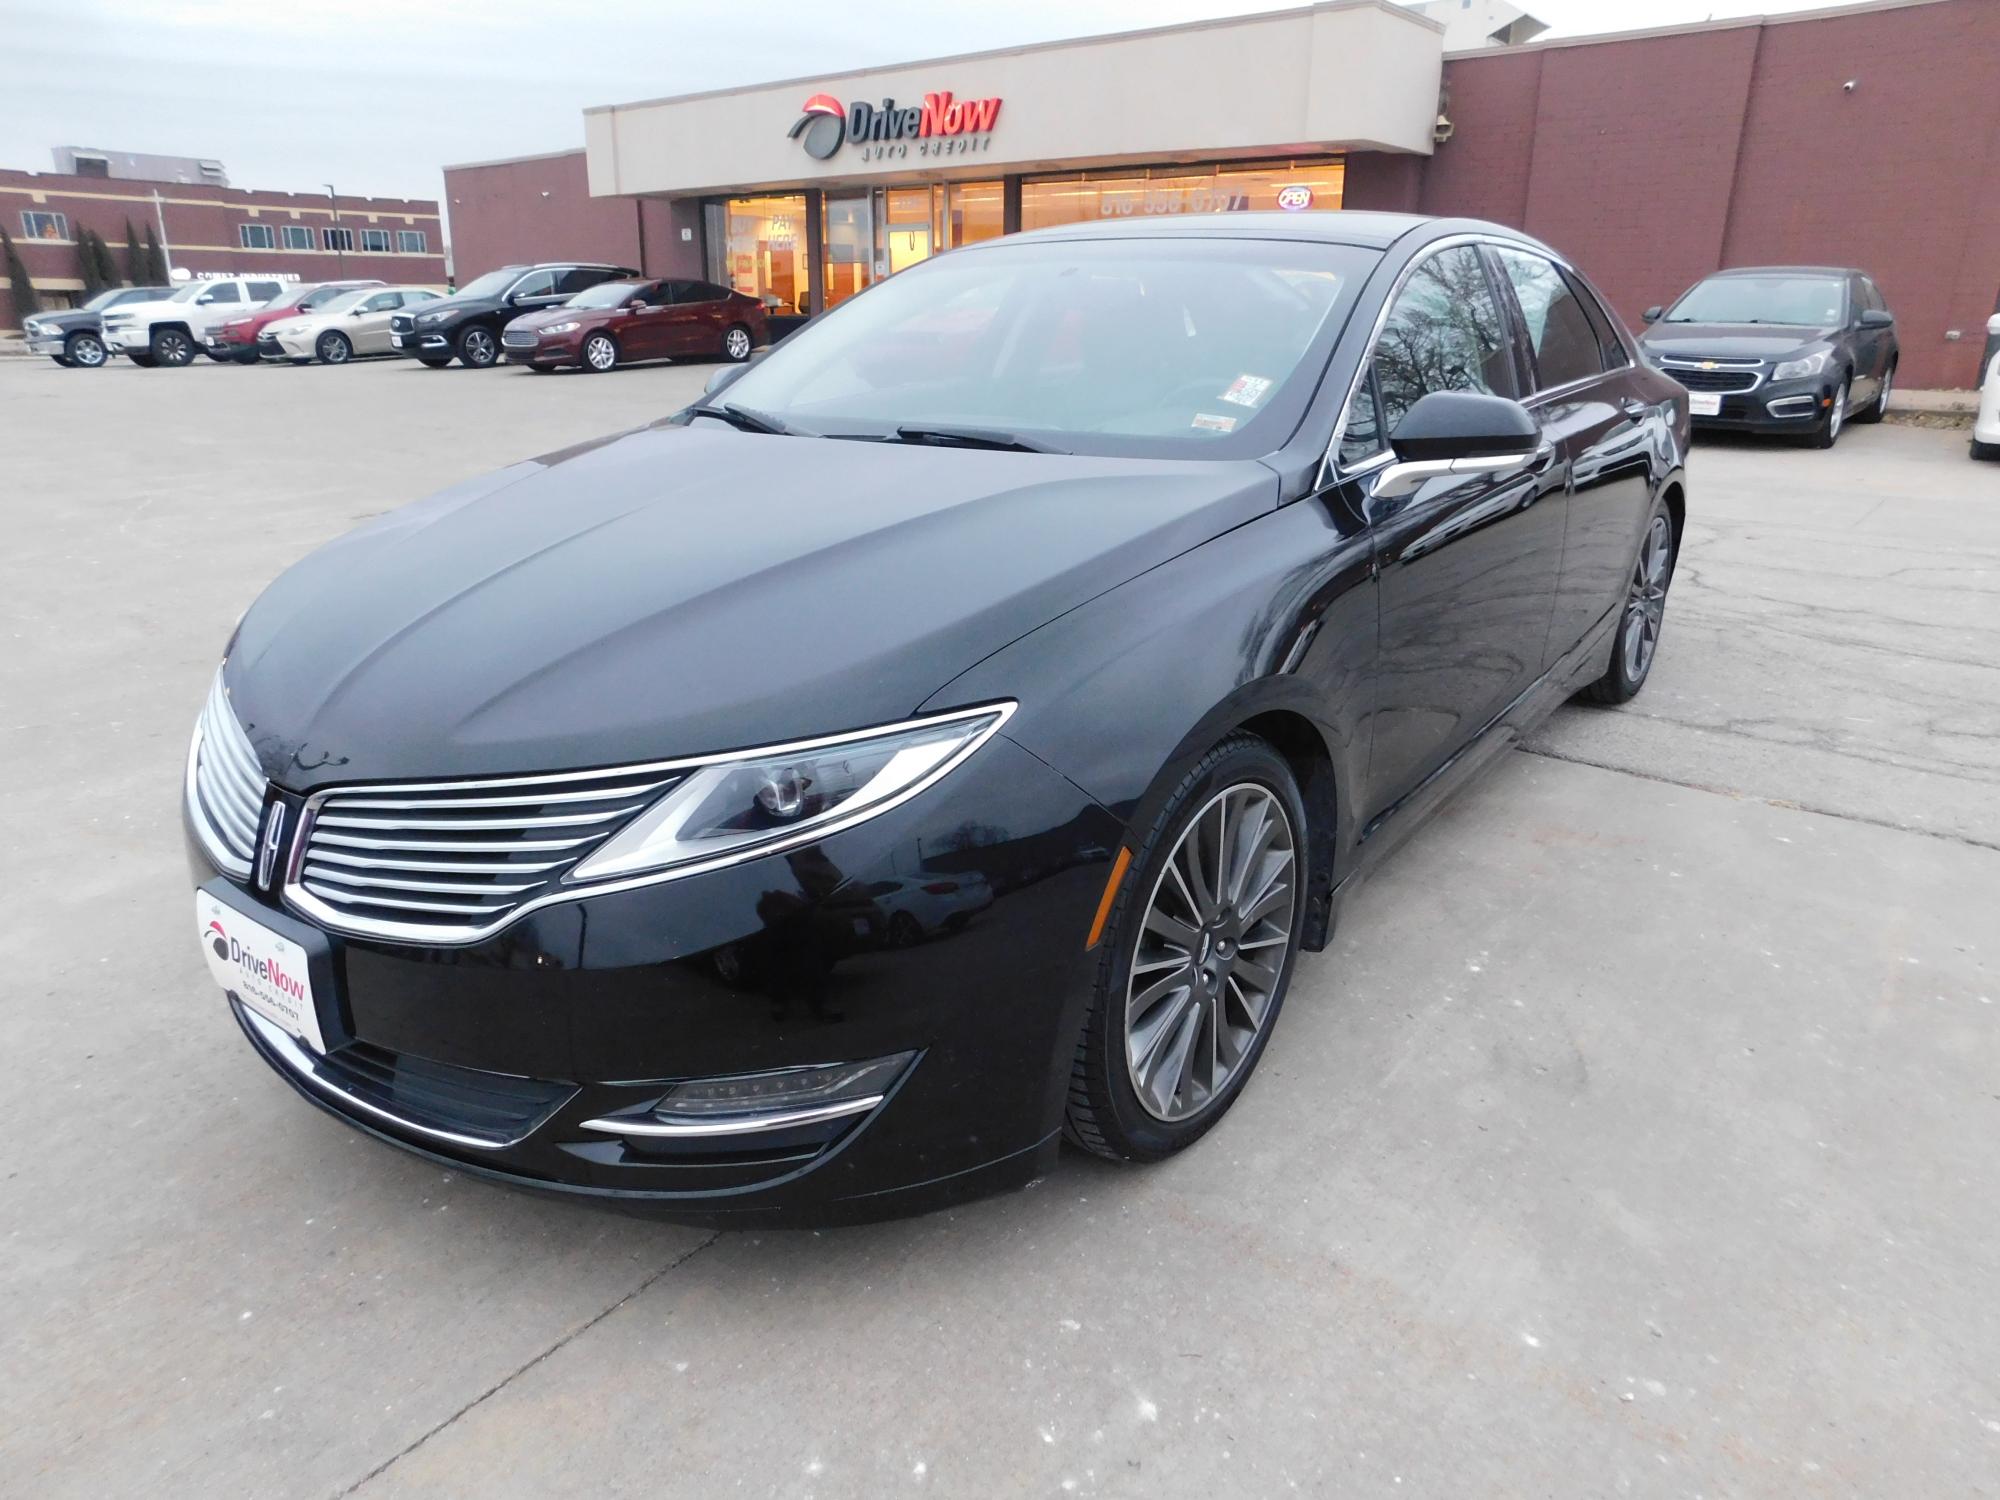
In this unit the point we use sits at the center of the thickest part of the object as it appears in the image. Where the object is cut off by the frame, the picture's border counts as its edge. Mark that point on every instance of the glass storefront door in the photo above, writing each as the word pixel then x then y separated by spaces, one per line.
pixel 763 249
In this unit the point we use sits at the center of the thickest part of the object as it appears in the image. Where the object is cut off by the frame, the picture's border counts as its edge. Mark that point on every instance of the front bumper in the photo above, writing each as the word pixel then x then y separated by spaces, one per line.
pixel 589 1008
pixel 48 343
pixel 1774 406
pixel 426 343
pixel 563 349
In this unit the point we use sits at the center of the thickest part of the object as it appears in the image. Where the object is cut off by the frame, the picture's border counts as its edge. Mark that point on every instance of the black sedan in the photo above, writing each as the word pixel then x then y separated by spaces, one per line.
pixel 75 338
pixel 1800 350
pixel 1148 581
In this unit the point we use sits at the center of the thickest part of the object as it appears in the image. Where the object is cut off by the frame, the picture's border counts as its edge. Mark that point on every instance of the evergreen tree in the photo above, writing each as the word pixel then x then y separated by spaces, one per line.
pixel 156 259
pixel 107 268
pixel 86 265
pixel 135 264
pixel 26 303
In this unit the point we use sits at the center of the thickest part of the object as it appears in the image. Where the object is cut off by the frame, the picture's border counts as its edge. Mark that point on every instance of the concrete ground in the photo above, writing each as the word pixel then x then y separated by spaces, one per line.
pixel 1636 1135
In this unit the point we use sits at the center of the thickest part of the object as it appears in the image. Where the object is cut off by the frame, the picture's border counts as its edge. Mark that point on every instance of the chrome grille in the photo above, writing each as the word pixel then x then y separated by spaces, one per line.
pixel 225 785
pixel 1715 375
pixel 454 861
pixel 515 340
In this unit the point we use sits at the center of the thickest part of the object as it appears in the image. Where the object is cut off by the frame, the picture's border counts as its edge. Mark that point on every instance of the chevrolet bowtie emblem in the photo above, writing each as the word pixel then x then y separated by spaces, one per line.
pixel 1708 364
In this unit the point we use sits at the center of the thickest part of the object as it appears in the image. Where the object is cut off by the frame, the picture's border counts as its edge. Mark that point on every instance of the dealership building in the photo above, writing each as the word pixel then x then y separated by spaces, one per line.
pixel 1867 135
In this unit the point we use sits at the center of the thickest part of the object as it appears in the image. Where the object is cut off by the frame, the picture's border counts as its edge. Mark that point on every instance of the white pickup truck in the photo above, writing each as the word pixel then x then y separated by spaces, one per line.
pixel 170 331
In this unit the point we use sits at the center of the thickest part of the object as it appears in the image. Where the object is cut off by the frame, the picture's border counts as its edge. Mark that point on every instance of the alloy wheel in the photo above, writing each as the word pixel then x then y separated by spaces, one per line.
pixel 172 348
pixel 736 343
pixel 333 349
pixel 478 347
pixel 1888 385
pixel 600 352
pixel 1210 951
pixel 1837 413
pixel 87 351
pixel 1646 600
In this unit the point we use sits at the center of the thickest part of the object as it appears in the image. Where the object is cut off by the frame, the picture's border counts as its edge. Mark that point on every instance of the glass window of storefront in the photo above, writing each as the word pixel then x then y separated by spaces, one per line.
pixel 1220 188
pixel 764 249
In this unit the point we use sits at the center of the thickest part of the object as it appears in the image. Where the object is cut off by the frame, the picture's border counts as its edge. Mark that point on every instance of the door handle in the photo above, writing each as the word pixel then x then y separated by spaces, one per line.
pixel 1634 408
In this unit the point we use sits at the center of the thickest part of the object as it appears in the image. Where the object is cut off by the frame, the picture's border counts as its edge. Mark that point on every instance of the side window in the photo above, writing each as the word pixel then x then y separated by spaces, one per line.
pixel 1871 295
pixel 580 278
pixel 383 302
pixel 263 291
pixel 659 294
pixel 1616 356
pixel 534 284
pixel 704 291
pixel 222 291
pixel 411 299
pixel 1362 438
pixel 1444 334
pixel 1564 344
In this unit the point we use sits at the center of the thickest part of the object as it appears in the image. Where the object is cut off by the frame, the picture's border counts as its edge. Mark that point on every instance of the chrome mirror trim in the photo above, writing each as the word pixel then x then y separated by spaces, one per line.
pixel 1400 479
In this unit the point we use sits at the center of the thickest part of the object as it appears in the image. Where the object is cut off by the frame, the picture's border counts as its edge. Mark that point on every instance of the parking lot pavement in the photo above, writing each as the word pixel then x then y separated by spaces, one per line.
pixel 1634 1135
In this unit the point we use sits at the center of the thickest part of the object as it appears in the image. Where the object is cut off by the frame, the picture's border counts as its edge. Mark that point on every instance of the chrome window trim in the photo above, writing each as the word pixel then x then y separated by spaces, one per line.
pixel 656 1129
pixel 1329 465
pixel 436 935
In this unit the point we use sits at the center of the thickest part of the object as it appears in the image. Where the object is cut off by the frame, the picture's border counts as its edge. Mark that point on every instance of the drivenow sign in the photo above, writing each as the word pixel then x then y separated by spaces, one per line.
pixel 940 126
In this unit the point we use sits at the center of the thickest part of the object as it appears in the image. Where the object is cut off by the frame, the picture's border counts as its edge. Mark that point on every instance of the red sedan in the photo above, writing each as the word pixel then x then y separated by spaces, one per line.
pixel 619 322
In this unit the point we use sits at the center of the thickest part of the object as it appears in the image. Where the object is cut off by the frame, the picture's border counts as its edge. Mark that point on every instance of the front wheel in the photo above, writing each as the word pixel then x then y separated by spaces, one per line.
pixel 84 350
pixel 1645 611
pixel 478 348
pixel 736 343
pixel 1879 407
pixel 1828 431
pixel 600 352
pixel 433 364
pixel 333 348
pixel 172 347
pixel 1196 958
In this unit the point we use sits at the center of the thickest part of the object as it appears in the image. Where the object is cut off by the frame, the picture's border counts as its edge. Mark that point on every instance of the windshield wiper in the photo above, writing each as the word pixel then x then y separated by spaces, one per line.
pixel 974 437
pixel 745 419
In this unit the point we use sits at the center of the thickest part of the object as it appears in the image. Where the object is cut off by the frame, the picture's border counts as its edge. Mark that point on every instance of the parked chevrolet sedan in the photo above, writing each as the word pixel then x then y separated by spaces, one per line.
pixel 353 324
pixel 1799 350
pixel 1147 582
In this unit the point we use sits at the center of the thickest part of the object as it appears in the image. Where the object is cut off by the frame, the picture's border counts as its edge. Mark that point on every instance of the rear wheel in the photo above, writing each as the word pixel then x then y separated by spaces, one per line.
pixel 143 361
pixel 736 343
pixel 84 350
pixel 1645 612
pixel 1196 958
pixel 1830 425
pixel 478 348
pixel 173 347
pixel 433 364
pixel 1986 451
pixel 1879 407
pixel 600 352
pixel 333 348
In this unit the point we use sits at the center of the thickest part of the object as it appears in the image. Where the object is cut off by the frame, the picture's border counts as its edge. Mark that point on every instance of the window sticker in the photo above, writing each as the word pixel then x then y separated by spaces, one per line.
pixel 1247 390
pixel 1209 422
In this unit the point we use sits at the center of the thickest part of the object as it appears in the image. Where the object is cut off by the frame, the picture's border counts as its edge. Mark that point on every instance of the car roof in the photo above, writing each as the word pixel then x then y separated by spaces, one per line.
pixel 1786 271
pixel 1361 227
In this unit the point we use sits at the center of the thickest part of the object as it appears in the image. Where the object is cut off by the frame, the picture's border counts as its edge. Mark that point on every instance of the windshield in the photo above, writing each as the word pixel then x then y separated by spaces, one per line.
pixel 189 292
pixel 1160 347
pixel 608 294
pixel 1804 301
pixel 104 299
pixel 318 297
pixel 492 284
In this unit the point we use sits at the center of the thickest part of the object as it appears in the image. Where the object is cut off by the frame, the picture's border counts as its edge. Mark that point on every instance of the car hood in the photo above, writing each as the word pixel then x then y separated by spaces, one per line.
pixel 141 309
pixel 1730 340
pixel 541 317
pixel 66 320
pixel 456 305
pixel 681 590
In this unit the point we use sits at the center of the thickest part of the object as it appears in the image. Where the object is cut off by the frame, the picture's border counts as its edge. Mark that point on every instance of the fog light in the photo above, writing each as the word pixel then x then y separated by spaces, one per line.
pixel 784 1091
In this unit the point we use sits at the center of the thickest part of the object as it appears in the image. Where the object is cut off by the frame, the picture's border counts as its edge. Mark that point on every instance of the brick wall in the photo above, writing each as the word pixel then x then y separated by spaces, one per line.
pixel 203 230
pixel 1653 160
pixel 540 208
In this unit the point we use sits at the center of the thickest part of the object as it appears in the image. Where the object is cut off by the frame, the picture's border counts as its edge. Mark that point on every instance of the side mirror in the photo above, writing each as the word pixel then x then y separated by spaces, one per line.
pixel 1460 432
pixel 1652 314
pixel 723 378
pixel 1993 326
pixel 1875 317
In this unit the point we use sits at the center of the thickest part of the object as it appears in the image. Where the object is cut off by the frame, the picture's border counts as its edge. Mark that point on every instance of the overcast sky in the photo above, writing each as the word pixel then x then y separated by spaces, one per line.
pixel 376 95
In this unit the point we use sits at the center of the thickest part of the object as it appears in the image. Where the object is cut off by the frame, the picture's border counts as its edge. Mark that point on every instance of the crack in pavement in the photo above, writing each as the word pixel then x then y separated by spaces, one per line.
pixel 508 1379
pixel 1783 802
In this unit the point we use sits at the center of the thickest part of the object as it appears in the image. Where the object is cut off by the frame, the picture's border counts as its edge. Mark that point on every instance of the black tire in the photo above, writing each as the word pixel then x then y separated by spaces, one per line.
pixel 430 363
pixel 478 348
pixel 1985 452
pixel 1830 427
pixel 85 350
pixel 543 369
pixel 737 343
pixel 333 347
pixel 63 359
pixel 905 931
pixel 172 347
pixel 1105 1116
pixel 143 361
pixel 598 354
pixel 247 357
pixel 222 358
pixel 1623 678
pixel 1879 407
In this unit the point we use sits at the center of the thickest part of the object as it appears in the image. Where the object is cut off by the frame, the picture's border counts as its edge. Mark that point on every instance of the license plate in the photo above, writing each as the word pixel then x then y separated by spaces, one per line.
pixel 266 971
pixel 1704 404
pixel 396 339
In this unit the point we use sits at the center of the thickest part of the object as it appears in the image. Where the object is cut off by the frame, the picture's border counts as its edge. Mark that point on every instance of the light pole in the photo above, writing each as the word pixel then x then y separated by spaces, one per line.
pixel 339 249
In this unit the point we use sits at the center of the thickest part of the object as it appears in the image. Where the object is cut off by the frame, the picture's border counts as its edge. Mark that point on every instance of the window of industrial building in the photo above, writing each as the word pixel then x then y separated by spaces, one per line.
pixel 411 242
pixel 376 240
pixel 256 236
pixel 1139 191
pixel 40 226
pixel 763 249
pixel 297 237
pixel 337 238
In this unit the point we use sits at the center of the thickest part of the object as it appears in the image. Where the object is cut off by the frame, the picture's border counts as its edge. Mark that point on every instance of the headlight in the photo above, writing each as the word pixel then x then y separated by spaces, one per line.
pixel 436 317
pixel 570 327
pixel 762 801
pixel 1798 369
